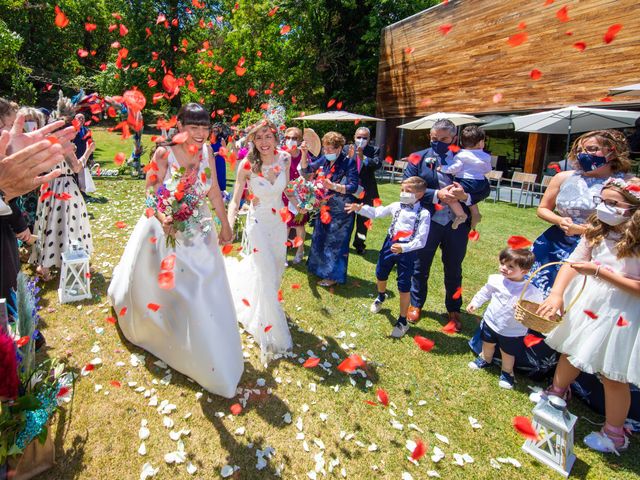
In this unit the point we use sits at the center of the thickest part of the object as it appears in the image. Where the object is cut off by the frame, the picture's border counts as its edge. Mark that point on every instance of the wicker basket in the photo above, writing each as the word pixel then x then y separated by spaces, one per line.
pixel 526 311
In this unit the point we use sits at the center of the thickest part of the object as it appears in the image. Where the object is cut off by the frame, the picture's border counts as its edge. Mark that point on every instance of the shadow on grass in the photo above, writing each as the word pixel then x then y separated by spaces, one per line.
pixel 269 406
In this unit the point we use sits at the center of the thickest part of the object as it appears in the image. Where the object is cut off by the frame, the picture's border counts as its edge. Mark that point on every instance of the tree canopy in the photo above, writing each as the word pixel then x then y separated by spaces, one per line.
pixel 232 56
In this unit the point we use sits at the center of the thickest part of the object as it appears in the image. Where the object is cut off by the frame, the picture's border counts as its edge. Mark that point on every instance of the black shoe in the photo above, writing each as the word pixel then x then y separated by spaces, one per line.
pixel 360 250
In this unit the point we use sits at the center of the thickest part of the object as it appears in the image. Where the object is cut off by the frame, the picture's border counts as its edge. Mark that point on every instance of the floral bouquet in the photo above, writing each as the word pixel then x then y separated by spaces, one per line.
pixel 180 201
pixel 309 194
pixel 30 393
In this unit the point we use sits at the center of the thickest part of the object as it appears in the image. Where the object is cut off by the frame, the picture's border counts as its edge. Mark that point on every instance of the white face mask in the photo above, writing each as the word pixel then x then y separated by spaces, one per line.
pixel 291 144
pixel 406 197
pixel 611 215
pixel 361 142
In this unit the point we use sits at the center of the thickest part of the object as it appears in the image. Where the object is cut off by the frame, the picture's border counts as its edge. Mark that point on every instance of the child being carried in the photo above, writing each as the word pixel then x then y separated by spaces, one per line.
pixel 407 234
pixel 469 167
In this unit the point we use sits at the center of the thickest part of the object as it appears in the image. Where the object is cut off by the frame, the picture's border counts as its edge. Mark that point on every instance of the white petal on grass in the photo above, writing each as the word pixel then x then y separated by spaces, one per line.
pixel 433 473
pixel 474 423
pixel 438 454
pixel 319 443
pixel 167 422
pixel 143 433
pixel 226 471
pixel 148 471
pixel 442 438
pixel 191 468
pixel 397 425
pixel 97 387
pixel 373 447
pixel 239 431
pixel 323 417
pixel 467 458
pixel 153 401
pixel 413 426
pixel 494 464
pixel 142 450
pixel 406 476
pixel 287 417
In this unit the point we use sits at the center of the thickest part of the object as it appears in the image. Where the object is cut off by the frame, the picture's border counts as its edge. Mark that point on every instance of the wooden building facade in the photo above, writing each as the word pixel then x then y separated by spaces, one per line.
pixel 477 57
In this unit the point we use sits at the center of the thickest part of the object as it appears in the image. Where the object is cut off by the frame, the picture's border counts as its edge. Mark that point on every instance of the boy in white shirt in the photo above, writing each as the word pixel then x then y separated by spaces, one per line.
pixel 407 234
pixel 469 167
pixel 499 326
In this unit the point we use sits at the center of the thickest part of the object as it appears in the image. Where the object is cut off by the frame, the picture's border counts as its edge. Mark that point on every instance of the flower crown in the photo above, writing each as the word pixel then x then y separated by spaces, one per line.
pixel 631 189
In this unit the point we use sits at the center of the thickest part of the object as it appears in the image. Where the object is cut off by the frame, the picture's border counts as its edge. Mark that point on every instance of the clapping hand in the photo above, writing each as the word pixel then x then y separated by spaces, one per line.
pixel 352 207
pixel 20 140
pixel 21 171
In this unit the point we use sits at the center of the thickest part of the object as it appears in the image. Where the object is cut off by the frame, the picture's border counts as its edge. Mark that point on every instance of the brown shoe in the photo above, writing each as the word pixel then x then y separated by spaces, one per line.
pixel 455 318
pixel 413 314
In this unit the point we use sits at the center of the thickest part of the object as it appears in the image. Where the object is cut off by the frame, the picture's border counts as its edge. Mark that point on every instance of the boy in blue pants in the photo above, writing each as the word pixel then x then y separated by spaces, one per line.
pixel 407 234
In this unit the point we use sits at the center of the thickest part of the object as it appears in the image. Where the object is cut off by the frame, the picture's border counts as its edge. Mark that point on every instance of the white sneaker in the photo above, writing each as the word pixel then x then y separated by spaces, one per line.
pixel 376 306
pixel 399 330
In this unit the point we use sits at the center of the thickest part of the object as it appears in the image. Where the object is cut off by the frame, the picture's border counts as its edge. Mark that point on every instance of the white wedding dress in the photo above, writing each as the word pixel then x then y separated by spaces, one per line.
pixel 194 330
pixel 255 280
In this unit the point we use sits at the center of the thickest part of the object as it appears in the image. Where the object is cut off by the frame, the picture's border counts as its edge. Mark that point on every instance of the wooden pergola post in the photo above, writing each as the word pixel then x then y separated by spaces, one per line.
pixel 535 153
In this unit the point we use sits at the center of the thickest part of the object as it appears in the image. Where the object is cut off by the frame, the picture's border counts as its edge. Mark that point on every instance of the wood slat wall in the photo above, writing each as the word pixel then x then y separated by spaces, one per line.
pixel 464 70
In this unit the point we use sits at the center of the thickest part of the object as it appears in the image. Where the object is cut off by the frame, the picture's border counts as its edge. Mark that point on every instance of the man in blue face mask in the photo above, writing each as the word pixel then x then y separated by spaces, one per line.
pixel 453 243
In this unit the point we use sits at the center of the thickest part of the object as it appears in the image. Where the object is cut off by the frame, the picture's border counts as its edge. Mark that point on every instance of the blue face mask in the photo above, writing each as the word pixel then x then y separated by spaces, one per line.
pixel 589 162
pixel 441 148
pixel 331 156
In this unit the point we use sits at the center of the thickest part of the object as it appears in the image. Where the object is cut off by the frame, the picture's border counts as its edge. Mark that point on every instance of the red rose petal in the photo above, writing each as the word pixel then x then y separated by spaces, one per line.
pixel 351 363
pixel 119 158
pixel 530 340
pixel 563 14
pixel 236 409
pixel 123 312
pixel 591 314
pixel 622 322
pixel 153 307
pixel 518 39
pixel 419 451
pixel 311 362
pixel 295 286
pixel 611 33
pixel 474 235
pixel 457 294
pixel 168 262
pixel 383 397
pixel 424 343
pixel 226 249
pixel 166 280
pixel 115 383
pixel 121 225
pixel 517 242
pixel 450 328
pixel 524 427
pixel 22 341
pixel 111 320
pixel 246 302
pixel 535 74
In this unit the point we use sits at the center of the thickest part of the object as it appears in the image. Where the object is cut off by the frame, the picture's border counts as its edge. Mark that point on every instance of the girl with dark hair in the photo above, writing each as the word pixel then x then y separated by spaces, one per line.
pixel 195 328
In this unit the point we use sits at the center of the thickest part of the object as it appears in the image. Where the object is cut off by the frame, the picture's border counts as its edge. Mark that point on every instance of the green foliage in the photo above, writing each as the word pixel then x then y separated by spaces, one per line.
pixel 299 53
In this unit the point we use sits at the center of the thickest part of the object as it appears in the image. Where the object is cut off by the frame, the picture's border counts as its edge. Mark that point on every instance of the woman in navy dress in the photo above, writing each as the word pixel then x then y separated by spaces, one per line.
pixel 329 255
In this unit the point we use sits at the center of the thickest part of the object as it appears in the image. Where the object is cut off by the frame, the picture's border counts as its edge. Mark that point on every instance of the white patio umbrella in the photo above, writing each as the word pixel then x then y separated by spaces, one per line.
pixel 502 123
pixel 626 90
pixel 574 119
pixel 340 116
pixel 428 121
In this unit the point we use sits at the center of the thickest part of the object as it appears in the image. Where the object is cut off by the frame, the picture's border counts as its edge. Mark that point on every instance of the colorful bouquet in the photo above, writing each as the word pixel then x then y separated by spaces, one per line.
pixel 309 194
pixel 30 393
pixel 182 204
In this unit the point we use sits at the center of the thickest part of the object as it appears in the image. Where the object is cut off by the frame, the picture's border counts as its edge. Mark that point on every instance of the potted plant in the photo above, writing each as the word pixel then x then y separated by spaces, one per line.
pixel 30 392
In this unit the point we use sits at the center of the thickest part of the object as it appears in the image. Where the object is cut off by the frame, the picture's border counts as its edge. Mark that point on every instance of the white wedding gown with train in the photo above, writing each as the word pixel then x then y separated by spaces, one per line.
pixel 192 327
pixel 255 280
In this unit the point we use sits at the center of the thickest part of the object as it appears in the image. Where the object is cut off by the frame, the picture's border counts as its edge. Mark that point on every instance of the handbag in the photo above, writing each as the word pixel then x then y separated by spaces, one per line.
pixel 87 179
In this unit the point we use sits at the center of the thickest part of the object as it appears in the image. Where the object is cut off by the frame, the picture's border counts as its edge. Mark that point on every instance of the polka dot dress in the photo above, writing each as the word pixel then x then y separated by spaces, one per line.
pixel 59 222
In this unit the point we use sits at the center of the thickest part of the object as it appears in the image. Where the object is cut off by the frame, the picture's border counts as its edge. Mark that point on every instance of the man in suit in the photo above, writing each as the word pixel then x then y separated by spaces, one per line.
pixel 452 243
pixel 367 158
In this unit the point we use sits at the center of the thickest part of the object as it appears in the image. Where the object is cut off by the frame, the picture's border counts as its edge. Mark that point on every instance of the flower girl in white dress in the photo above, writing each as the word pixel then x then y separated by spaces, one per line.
pixel 601 333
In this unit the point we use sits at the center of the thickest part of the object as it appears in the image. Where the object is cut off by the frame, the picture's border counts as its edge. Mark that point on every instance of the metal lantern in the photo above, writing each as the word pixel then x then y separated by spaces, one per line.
pixel 74 275
pixel 554 425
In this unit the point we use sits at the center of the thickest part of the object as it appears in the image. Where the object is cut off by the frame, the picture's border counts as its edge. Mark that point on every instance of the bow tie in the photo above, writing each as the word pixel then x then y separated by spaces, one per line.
pixel 407 206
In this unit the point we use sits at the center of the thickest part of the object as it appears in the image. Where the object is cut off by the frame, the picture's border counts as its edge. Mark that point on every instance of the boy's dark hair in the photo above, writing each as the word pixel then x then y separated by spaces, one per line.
pixel 416 183
pixel 471 135
pixel 522 257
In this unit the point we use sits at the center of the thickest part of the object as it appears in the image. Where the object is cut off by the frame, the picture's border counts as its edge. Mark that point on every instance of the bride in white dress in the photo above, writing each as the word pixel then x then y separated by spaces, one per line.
pixel 255 280
pixel 192 326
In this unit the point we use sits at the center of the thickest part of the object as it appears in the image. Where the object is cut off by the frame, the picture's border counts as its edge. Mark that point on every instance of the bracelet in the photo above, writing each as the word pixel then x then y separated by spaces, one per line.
pixel 597 271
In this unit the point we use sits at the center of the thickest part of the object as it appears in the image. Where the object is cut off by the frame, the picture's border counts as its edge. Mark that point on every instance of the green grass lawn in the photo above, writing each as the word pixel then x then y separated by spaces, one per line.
pixel 97 435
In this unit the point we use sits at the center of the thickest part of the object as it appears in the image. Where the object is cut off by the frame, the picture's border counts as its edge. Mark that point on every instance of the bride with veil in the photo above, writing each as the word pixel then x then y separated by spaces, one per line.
pixel 255 280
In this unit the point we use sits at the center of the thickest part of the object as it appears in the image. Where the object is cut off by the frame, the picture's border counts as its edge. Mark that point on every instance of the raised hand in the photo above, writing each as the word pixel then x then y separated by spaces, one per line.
pixel 21 172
